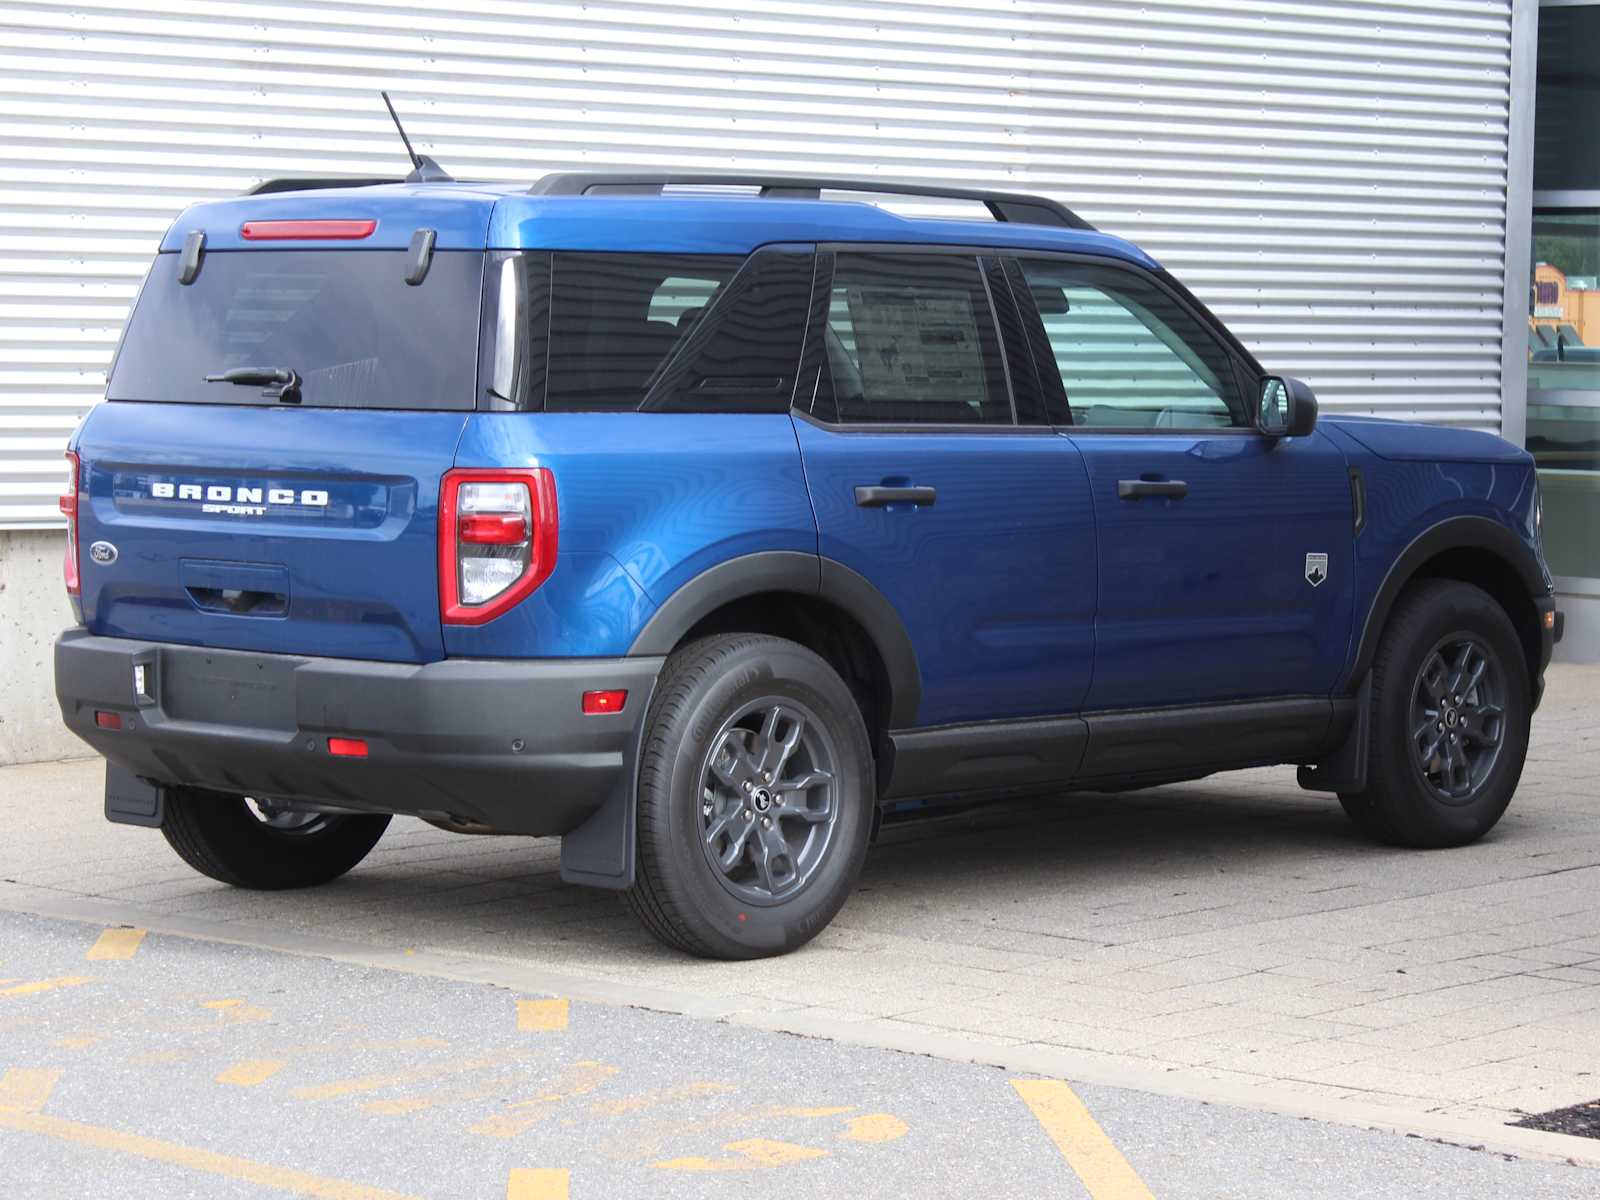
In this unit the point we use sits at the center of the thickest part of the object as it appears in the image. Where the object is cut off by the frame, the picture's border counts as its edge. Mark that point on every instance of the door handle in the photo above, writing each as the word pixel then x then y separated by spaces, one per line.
pixel 877 495
pixel 1135 489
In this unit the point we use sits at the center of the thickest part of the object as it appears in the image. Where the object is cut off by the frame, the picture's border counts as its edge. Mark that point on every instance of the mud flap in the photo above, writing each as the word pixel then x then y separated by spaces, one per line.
pixel 1345 770
pixel 600 853
pixel 131 800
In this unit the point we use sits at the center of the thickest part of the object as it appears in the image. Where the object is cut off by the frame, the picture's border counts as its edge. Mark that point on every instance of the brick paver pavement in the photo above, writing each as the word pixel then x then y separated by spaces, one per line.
pixel 1233 931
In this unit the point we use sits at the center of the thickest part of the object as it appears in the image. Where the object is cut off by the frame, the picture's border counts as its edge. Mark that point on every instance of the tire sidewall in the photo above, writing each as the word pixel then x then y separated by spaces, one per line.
pixel 786 671
pixel 1453 612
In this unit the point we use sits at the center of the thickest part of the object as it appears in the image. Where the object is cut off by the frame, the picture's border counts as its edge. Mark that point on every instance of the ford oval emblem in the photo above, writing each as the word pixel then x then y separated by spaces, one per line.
pixel 103 552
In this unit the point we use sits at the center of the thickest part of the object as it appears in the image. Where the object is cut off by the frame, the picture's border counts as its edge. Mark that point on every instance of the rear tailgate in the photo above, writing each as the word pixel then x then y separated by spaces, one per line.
pixel 305 531
pixel 233 513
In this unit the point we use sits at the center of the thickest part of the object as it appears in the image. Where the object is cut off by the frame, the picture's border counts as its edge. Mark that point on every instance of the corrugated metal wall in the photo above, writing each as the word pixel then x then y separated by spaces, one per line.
pixel 1329 175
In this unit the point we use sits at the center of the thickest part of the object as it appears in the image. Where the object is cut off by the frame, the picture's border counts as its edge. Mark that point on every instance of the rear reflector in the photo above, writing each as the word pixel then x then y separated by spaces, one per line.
pixel 301 231
pixel 108 720
pixel 348 747
pixel 595 703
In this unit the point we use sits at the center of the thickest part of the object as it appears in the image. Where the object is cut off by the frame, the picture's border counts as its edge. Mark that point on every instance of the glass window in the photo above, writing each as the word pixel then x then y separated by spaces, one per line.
pixel 615 319
pixel 911 338
pixel 345 321
pixel 1129 355
pixel 743 353
pixel 1564 307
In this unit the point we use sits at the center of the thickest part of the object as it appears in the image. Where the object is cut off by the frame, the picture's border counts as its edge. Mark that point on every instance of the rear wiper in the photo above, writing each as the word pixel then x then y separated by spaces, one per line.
pixel 279 383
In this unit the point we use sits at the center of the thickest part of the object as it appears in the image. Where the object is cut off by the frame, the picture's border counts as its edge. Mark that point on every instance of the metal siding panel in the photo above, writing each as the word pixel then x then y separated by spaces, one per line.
pixel 1329 176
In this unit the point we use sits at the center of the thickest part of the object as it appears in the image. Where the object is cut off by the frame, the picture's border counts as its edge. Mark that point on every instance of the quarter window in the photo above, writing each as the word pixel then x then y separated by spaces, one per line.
pixel 911 338
pixel 1129 355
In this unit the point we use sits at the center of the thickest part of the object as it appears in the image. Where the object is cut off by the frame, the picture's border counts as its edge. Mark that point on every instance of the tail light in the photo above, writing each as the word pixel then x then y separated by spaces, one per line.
pixel 497 540
pixel 69 509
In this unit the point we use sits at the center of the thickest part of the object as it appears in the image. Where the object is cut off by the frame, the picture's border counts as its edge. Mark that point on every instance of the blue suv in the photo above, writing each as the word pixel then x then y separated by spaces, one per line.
pixel 702 520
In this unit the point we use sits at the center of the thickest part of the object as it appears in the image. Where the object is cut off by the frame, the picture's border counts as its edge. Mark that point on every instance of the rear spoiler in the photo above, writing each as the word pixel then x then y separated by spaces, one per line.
pixel 312 184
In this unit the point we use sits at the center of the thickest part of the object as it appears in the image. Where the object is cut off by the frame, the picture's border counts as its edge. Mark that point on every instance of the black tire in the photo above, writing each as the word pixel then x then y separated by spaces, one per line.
pixel 220 836
pixel 683 897
pixel 1405 801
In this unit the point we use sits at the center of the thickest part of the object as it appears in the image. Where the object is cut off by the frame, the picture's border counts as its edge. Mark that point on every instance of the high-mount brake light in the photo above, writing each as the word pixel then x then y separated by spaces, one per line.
pixel 69 509
pixel 306 231
pixel 497 540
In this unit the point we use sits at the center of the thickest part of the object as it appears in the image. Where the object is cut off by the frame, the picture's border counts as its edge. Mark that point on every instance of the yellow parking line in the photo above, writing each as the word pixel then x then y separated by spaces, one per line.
pixel 537 1183
pixel 115 945
pixel 26 1090
pixel 283 1179
pixel 875 1127
pixel 541 1016
pixel 251 1072
pixel 376 1083
pixel 752 1152
pixel 44 985
pixel 1082 1142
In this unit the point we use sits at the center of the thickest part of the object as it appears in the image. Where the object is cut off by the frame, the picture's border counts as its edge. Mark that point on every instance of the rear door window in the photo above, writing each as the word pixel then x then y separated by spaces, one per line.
pixel 911 338
pixel 615 319
pixel 345 321
pixel 707 333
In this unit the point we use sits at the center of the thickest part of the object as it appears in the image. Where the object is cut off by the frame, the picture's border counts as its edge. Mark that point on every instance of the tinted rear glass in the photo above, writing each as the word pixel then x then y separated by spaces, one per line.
pixel 615 319
pixel 345 321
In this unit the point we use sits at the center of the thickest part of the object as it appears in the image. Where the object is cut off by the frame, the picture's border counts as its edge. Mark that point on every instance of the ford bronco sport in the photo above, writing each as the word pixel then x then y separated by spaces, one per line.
pixel 701 520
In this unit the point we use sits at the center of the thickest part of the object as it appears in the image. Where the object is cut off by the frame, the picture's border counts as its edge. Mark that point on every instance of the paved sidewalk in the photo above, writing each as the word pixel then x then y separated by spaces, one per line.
pixel 1217 938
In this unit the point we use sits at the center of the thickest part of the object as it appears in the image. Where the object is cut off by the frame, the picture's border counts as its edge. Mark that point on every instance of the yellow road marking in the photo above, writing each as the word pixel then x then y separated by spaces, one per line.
pixel 44 985
pixel 235 1011
pixel 284 1179
pixel 537 1183
pixel 251 1072
pixel 624 1105
pixel 875 1127
pixel 750 1153
pixel 1082 1142
pixel 26 1090
pixel 541 1016
pixel 80 1042
pixel 790 1111
pixel 376 1083
pixel 115 945
pixel 579 1080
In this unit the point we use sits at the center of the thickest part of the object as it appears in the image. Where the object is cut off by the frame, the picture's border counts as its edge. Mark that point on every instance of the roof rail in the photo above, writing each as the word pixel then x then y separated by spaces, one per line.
pixel 308 185
pixel 1003 206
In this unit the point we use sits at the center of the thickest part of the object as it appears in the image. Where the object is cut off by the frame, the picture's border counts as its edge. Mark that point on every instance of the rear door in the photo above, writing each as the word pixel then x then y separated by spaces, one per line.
pixel 1224 554
pixel 936 476
pixel 221 514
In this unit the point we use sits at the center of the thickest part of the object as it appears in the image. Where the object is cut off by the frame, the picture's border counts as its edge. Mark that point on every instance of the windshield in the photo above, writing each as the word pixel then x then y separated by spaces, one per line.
pixel 345 321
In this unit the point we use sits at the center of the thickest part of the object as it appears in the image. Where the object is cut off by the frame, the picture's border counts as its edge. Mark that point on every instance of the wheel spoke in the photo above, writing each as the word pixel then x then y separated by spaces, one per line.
pixel 773 858
pixel 724 822
pixel 729 858
pixel 778 741
pixel 731 763
pixel 1435 677
pixel 1475 724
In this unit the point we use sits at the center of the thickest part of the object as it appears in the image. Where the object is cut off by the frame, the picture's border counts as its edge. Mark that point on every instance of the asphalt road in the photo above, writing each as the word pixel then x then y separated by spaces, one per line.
pixel 156 1066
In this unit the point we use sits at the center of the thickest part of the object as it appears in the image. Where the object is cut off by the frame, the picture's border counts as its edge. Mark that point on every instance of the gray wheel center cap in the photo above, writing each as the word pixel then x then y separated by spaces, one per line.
pixel 762 799
pixel 1451 717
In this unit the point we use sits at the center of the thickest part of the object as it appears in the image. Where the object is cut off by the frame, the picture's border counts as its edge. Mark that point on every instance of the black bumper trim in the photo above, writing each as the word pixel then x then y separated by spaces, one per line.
pixel 502 743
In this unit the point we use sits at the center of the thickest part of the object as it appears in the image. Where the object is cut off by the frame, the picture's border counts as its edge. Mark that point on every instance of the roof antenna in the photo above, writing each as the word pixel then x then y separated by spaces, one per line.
pixel 424 169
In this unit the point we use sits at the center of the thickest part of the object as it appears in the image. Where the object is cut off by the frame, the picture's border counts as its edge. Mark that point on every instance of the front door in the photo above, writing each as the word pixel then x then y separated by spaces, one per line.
pixel 973 518
pixel 1225 555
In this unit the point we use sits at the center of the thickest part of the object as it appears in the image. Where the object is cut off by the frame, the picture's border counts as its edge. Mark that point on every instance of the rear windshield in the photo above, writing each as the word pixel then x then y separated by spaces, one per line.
pixel 345 321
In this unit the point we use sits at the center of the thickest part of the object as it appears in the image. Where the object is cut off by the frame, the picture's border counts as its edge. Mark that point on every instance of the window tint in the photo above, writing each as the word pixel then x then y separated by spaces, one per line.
pixel 911 338
pixel 741 355
pixel 616 318
pixel 344 320
pixel 1128 354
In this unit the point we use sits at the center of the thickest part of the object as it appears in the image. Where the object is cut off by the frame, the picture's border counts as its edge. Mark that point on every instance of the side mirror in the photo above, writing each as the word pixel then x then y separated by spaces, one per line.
pixel 1288 407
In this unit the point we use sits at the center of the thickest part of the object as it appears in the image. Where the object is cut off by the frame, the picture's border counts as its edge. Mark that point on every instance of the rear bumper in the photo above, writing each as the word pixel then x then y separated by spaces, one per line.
pixel 495 742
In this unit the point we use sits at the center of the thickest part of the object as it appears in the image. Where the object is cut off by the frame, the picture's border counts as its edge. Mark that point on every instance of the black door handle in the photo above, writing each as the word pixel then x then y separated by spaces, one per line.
pixel 876 495
pixel 1134 489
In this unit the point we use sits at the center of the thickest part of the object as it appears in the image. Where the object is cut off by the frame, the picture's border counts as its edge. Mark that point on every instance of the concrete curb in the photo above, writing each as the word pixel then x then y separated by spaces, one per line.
pixel 1079 1067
